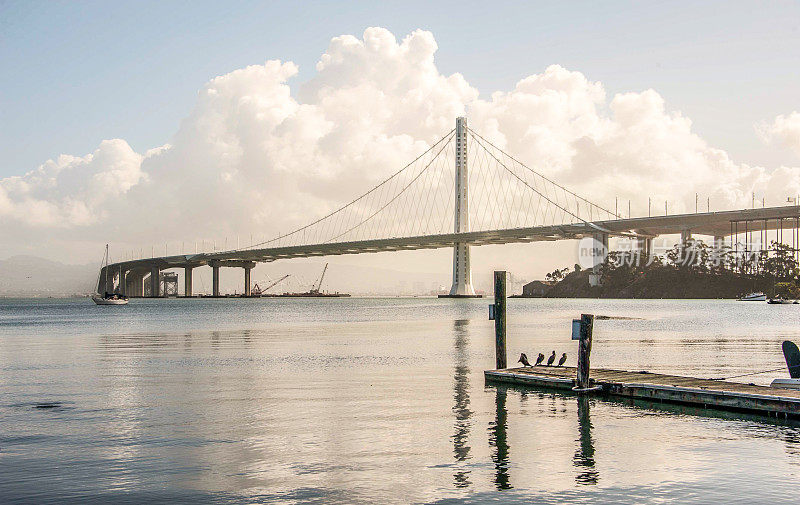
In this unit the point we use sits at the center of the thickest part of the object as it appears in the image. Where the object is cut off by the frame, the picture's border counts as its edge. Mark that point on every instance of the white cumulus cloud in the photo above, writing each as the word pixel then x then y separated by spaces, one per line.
pixel 255 157
pixel 784 130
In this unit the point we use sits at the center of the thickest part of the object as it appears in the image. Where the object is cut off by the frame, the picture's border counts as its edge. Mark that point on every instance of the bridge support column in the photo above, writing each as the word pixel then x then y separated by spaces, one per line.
pixel 139 284
pixel 101 281
pixel 123 285
pixel 599 253
pixel 644 245
pixel 109 287
pixel 462 270
pixel 155 284
pixel 719 244
pixel 214 278
pixel 187 281
pixel 130 284
pixel 247 270
pixel 134 284
pixel 718 250
pixel 641 248
pixel 686 235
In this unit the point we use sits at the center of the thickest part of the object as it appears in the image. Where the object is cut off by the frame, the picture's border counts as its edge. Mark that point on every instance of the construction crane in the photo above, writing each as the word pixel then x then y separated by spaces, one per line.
pixel 319 284
pixel 276 283
pixel 257 290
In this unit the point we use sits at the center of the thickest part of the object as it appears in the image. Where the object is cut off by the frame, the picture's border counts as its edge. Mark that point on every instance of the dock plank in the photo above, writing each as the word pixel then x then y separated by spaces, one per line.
pixel 663 387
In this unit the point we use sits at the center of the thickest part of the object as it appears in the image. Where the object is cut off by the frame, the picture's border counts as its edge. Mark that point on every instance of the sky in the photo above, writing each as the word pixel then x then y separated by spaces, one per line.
pixel 124 113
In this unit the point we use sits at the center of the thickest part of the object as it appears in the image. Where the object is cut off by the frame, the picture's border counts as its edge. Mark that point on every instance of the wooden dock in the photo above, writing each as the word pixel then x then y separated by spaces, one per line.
pixel 703 393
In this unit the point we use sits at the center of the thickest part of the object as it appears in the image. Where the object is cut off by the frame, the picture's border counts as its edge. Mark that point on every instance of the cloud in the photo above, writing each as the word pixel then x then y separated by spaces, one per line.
pixel 255 157
pixel 72 191
pixel 784 130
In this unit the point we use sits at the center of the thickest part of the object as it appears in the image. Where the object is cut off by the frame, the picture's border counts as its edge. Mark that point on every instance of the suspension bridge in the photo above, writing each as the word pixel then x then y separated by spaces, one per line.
pixel 463 191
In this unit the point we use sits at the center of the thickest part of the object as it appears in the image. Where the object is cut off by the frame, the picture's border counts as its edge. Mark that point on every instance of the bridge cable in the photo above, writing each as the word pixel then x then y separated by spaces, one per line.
pixel 384 182
pixel 476 134
pixel 525 182
pixel 394 198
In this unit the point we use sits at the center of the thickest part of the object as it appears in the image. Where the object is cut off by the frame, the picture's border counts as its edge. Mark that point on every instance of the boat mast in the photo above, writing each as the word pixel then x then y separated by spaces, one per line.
pixel 105 288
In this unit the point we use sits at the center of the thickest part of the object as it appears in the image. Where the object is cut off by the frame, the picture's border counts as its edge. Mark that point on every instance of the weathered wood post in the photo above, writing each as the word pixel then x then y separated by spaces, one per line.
pixel 584 350
pixel 500 318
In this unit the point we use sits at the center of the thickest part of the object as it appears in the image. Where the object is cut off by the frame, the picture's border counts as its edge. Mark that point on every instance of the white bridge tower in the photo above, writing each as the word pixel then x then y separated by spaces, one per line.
pixel 462 270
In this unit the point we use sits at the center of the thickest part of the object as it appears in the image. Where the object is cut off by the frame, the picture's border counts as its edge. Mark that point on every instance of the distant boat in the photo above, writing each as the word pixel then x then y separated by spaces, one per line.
pixel 780 301
pixel 108 298
pixel 754 297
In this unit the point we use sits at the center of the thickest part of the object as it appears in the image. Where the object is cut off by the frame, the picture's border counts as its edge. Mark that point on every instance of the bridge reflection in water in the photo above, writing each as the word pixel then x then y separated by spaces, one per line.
pixel 461 407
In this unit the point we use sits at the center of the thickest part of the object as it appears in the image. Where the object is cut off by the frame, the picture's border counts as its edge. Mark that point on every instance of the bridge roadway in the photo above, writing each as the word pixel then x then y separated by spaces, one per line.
pixel 716 224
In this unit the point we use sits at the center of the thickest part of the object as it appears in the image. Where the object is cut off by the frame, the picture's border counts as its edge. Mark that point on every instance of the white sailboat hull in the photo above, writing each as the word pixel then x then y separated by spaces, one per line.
pixel 99 300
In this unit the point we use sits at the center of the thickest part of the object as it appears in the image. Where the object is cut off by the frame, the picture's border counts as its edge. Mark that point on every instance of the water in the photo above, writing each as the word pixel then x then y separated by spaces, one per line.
pixel 375 400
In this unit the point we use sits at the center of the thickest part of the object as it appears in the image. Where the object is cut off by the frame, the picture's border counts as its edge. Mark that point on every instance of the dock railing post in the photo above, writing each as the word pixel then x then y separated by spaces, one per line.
pixel 500 318
pixel 584 350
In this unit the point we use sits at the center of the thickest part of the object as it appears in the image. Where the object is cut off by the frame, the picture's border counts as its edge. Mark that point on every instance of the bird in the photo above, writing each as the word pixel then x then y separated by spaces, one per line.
pixel 540 359
pixel 524 360
pixel 551 359
pixel 562 360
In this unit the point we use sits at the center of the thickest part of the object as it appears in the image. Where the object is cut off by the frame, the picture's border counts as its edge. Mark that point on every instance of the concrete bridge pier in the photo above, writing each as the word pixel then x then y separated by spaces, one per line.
pixel 133 281
pixel 109 287
pixel 214 277
pixel 155 285
pixel 187 281
pixel 123 288
pixel 247 270
pixel 101 281
pixel 719 245
pixel 644 246
pixel 599 253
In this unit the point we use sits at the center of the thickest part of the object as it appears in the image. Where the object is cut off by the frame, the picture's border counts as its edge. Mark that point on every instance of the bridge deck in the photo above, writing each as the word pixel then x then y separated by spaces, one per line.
pixel 713 223
pixel 706 393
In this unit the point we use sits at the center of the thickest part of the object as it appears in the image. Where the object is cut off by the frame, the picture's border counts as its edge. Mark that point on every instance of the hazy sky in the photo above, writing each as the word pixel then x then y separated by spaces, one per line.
pixel 711 87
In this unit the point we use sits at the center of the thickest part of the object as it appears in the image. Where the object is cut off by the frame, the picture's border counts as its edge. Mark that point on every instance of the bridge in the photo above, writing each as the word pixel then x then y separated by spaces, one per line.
pixel 463 191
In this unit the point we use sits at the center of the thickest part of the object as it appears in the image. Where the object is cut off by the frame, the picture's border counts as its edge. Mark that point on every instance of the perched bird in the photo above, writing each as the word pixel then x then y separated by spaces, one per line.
pixel 540 359
pixel 551 359
pixel 562 360
pixel 524 360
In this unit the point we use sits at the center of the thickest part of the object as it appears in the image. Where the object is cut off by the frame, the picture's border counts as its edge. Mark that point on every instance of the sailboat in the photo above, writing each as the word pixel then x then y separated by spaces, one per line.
pixel 757 296
pixel 107 298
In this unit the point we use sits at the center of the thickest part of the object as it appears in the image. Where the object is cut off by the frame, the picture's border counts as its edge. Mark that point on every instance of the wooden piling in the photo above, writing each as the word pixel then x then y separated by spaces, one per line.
pixel 500 318
pixel 584 350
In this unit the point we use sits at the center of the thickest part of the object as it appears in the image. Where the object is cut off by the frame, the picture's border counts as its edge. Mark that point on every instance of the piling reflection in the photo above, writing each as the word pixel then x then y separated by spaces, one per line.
pixel 791 436
pixel 498 441
pixel 461 407
pixel 584 454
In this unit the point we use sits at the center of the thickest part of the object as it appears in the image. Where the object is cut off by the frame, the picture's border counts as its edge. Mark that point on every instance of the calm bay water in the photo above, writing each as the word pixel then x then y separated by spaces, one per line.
pixel 375 400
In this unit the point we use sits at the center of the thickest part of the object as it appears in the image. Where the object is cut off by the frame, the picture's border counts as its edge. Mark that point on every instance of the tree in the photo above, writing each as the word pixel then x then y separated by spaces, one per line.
pixel 691 256
pixel 788 290
pixel 556 275
pixel 780 264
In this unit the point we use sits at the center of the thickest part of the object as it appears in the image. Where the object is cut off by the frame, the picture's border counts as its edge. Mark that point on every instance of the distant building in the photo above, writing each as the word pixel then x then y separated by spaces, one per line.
pixel 536 288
